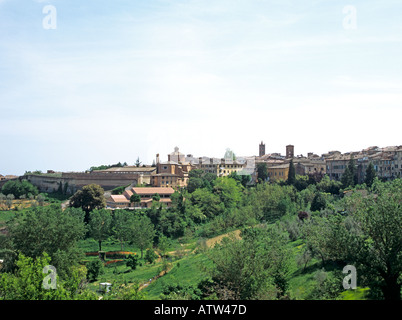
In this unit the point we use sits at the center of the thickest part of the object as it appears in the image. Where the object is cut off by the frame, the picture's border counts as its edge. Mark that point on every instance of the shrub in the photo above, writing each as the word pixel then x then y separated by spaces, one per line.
pixel 132 261
pixel 150 256
pixel 94 270
pixel 303 215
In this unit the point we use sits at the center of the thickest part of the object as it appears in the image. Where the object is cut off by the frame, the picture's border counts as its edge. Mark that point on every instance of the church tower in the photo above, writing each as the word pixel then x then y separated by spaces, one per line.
pixel 262 149
pixel 290 151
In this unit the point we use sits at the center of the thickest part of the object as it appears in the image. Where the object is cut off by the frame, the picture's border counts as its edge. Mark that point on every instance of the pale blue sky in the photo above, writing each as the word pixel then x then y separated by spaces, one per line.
pixel 117 80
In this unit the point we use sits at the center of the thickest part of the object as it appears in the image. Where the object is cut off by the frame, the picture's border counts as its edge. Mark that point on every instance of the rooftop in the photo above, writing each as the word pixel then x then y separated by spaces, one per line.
pixel 129 169
pixel 159 190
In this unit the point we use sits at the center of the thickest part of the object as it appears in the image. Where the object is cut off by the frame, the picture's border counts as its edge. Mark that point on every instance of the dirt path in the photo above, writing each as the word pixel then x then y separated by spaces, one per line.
pixel 211 242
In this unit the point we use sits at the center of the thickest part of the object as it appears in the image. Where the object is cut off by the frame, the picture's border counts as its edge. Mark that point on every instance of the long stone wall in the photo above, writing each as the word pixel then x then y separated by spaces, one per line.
pixel 106 180
pixel 76 180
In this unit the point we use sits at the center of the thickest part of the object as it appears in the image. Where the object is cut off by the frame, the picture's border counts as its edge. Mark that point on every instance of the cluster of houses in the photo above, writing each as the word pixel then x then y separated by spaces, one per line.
pixel 173 174
pixel 163 178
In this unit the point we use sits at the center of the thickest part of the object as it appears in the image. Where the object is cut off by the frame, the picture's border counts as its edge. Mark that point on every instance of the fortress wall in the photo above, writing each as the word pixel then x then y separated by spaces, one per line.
pixel 50 183
pixel 106 180
pixel 46 183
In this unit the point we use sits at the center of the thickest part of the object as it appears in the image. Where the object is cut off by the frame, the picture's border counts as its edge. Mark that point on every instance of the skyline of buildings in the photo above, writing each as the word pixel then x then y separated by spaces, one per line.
pixel 174 172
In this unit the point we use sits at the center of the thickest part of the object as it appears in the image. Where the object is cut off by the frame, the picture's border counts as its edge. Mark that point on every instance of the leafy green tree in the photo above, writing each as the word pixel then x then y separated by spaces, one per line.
pixel 19 188
pixel 49 229
pixel 26 283
pixel 156 197
pixel 255 267
pixel 378 238
pixel 171 223
pixel 243 179
pixel 196 173
pixel 370 175
pixel 150 256
pixel 319 202
pixel 163 244
pixel 194 184
pixel 132 261
pixel 135 198
pixel 121 222
pixel 100 221
pixel 142 232
pixel 40 199
pixel 209 203
pixel 9 200
pixel 91 197
pixel 95 269
pixel 272 201
pixel 327 185
pixel 229 192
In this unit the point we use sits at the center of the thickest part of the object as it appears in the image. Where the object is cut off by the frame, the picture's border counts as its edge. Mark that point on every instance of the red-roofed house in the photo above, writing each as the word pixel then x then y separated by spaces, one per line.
pixel 146 194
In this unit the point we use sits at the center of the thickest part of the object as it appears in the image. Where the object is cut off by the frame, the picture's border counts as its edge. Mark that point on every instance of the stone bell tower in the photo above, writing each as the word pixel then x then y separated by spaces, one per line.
pixel 262 149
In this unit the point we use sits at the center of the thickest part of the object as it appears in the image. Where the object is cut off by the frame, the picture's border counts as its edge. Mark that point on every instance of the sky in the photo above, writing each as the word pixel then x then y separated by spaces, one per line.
pixel 91 82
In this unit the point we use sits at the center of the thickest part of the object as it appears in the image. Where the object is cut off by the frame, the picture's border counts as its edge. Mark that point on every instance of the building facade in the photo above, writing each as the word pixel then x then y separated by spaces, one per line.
pixel 146 194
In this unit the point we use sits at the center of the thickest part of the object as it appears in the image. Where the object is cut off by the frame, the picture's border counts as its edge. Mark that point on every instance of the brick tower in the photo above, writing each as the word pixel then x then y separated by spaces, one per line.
pixel 262 149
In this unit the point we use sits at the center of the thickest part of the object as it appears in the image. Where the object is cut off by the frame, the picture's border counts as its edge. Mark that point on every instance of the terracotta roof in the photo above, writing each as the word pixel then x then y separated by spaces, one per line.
pixel 128 192
pixel 119 198
pixel 159 190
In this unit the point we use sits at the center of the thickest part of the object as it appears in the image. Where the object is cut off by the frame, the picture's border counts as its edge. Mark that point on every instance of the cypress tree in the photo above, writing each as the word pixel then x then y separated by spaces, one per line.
pixel 370 175
pixel 292 173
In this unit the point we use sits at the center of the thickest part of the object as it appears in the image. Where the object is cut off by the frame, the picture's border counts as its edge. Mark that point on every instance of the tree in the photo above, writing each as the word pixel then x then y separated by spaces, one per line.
pixel 243 179
pixel 135 198
pixel 194 183
pixel 327 185
pixel 26 283
pixel 156 197
pixel 150 256
pixel 49 229
pixel 95 269
pixel 9 200
pixel 163 245
pixel 318 202
pixel 132 261
pixel 370 175
pixel 121 226
pixel 19 188
pixel 291 174
pixel 99 225
pixel 142 232
pixel 209 203
pixel 229 192
pixel 349 177
pixel 89 198
pixel 138 162
pixel 196 173
pixel 40 199
pixel 379 237
pixel 255 267
pixel 262 172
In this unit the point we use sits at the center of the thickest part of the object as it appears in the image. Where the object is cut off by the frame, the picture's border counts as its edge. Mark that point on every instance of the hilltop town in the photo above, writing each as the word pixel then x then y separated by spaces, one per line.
pixel 174 173
pixel 164 177
pixel 195 228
